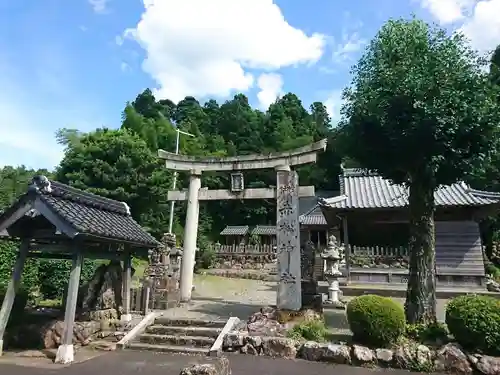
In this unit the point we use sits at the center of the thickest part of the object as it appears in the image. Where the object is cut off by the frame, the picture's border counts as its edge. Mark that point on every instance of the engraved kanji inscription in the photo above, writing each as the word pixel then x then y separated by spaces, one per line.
pixel 288 248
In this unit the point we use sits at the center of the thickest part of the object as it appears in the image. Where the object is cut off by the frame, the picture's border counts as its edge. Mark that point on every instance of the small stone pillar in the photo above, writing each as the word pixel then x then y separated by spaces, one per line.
pixel 331 257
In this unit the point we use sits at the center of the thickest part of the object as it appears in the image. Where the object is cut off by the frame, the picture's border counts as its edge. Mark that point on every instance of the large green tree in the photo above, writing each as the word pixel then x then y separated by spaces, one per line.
pixel 118 164
pixel 421 112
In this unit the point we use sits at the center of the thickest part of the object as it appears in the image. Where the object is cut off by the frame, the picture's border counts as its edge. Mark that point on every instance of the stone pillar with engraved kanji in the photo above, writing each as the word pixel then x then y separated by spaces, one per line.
pixel 288 240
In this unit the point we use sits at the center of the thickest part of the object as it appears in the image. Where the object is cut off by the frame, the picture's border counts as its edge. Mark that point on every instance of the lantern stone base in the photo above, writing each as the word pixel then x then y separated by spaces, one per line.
pixel 311 297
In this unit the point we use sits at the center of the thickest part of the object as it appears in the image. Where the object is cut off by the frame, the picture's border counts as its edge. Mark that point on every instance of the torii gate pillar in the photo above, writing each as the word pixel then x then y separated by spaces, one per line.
pixel 286 193
pixel 190 236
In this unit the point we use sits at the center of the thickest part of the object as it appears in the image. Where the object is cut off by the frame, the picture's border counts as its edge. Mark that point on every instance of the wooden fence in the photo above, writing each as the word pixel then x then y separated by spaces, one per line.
pixel 382 251
pixel 244 249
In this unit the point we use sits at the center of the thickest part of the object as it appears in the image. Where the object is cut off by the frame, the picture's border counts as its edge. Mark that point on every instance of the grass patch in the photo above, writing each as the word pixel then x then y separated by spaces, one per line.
pixel 311 330
pixel 50 303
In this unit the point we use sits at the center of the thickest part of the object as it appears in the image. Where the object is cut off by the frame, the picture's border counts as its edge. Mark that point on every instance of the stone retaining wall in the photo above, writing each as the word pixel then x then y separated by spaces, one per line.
pixel 412 356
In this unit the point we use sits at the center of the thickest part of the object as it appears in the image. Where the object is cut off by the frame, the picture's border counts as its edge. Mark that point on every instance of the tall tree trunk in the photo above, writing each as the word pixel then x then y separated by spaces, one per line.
pixel 420 303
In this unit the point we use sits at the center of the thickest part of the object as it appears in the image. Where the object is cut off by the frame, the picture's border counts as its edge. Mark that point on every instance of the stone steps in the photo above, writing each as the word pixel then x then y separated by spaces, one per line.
pixel 140 346
pixel 167 335
pixel 196 341
pixel 183 330
pixel 189 322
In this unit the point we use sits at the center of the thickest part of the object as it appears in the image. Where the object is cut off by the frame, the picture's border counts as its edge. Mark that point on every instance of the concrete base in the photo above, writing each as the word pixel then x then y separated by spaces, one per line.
pixel 65 354
pixel 126 317
pixel 1 347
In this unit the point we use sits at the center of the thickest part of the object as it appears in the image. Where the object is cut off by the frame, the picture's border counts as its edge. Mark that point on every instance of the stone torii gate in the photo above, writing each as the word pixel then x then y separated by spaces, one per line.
pixel 287 193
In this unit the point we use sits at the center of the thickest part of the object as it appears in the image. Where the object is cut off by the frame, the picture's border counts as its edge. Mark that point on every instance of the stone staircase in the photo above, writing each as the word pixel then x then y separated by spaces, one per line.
pixel 179 336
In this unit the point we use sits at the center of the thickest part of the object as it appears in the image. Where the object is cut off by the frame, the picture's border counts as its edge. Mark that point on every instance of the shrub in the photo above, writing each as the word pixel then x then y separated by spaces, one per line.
pixel 20 302
pixel 205 258
pixel 376 320
pixel 492 270
pixel 312 330
pixel 474 321
pixel 8 256
pixel 432 332
pixel 54 276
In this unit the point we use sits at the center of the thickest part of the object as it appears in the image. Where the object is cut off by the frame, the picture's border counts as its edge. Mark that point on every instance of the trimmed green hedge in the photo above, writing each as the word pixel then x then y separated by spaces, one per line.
pixel 375 320
pixel 474 321
pixel 20 302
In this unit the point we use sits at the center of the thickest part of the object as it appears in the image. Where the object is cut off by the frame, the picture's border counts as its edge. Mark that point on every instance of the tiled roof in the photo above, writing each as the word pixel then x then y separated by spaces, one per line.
pixel 264 230
pixel 312 219
pixel 239 230
pixel 369 190
pixel 88 214
pixel 309 210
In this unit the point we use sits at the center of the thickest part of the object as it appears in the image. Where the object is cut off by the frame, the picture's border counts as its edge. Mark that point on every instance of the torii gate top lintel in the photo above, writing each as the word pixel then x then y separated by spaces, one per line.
pixel 302 155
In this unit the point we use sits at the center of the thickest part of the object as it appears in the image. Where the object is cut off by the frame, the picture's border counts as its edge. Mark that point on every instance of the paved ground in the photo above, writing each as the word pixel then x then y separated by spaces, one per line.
pixel 219 297
pixel 133 363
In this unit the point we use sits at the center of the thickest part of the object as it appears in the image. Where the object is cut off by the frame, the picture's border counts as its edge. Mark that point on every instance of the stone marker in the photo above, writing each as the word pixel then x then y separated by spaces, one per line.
pixel 288 241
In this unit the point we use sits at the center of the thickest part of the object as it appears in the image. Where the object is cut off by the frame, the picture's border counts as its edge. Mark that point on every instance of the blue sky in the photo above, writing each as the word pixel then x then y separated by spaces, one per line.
pixel 76 63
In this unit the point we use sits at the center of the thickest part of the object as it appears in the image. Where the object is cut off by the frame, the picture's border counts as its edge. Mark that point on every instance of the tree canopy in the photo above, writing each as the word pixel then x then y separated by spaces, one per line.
pixel 421 112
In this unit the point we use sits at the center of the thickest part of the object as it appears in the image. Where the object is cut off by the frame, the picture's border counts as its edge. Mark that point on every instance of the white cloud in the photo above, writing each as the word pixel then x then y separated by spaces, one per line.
pixel 483 27
pixel 346 49
pixel 448 11
pixel 270 86
pixel 477 19
pixel 333 104
pixel 99 6
pixel 199 47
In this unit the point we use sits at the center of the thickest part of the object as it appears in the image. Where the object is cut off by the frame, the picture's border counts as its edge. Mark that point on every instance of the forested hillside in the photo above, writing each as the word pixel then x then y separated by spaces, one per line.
pixel 115 162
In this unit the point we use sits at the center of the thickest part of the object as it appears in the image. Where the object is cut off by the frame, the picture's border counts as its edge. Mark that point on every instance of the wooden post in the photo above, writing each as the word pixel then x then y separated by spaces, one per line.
pixel 347 249
pixel 126 285
pixel 10 295
pixel 65 352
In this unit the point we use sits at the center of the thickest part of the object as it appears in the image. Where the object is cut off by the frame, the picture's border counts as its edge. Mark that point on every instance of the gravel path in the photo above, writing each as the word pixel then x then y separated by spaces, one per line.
pixel 219 298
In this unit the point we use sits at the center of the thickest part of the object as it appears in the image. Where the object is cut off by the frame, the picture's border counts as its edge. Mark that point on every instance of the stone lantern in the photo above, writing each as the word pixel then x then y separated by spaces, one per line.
pixel 175 259
pixel 332 256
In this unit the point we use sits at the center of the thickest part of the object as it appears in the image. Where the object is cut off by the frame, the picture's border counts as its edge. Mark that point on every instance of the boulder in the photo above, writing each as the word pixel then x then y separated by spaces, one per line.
pixel 266 327
pixel 403 356
pixel 220 366
pixel 249 349
pixel 451 358
pixel 423 356
pixel 362 354
pixel 279 347
pixel 233 340
pixel 312 351
pixel 384 356
pixel 82 332
pixel 488 365
pixel 101 297
pixel 492 285
pixel 335 353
